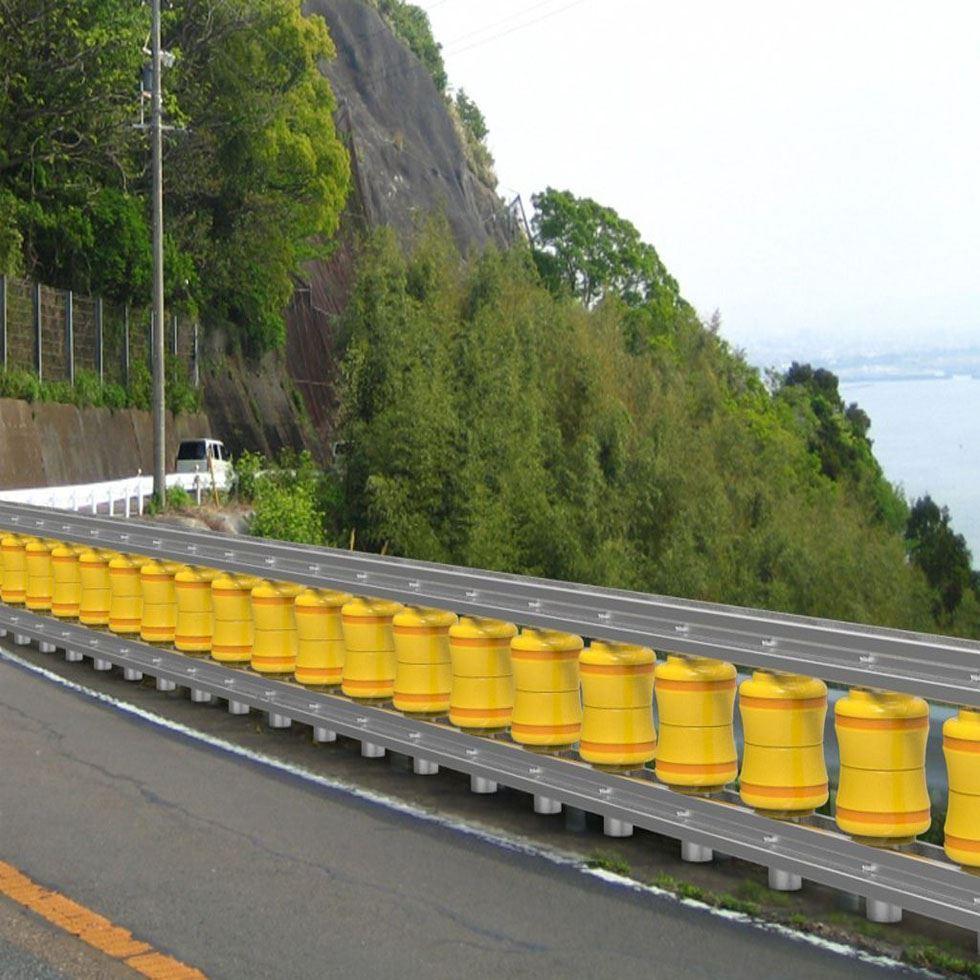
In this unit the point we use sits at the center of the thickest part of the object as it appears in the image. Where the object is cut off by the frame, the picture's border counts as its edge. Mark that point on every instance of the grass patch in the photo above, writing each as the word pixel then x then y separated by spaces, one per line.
pixel 937 958
pixel 758 894
pixel 612 863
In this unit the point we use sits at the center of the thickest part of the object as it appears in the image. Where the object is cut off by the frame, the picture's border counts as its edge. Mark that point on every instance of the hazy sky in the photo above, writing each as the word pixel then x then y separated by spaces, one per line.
pixel 810 169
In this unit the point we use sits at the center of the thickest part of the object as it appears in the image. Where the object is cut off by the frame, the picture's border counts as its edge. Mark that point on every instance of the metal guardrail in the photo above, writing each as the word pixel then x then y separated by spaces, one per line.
pixel 941 668
pixel 924 883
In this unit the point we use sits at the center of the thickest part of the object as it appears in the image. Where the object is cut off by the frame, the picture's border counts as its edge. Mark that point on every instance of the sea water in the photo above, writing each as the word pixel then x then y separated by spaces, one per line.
pixel 926 435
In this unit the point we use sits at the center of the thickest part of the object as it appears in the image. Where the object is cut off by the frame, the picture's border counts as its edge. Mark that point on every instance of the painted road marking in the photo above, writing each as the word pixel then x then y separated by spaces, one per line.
pixel 93 929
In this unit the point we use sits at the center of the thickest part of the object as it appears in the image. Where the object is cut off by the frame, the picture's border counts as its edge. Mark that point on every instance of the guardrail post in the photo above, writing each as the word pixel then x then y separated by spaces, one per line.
pixel 37 331
pixel 99 348
pixel 70 336
pixel 3 322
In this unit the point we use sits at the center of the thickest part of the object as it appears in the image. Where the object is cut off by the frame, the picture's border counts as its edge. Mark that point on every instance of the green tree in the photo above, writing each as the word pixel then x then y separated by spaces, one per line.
pixel 471 116
pixel 941 553
pixel 589 250
pixel 412 25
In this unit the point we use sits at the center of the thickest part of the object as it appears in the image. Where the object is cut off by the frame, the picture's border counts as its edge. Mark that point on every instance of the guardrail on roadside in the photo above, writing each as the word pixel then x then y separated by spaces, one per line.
pixel 121 498
pixel 942 668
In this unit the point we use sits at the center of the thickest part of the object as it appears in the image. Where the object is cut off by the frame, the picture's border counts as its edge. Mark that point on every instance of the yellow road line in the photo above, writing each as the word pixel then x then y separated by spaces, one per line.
pixel 94 929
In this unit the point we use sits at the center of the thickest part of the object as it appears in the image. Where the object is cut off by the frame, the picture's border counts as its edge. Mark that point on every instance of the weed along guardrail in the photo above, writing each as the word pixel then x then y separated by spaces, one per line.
pixel 427 660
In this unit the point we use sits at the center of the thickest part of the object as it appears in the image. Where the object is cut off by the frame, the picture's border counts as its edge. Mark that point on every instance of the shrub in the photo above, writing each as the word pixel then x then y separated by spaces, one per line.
pixel 178 499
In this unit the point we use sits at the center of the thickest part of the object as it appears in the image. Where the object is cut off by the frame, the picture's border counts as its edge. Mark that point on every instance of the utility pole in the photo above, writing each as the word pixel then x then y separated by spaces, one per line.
pixel 156 136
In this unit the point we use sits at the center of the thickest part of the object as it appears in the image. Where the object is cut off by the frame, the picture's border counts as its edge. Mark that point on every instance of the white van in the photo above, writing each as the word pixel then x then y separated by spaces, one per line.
pixel 205 456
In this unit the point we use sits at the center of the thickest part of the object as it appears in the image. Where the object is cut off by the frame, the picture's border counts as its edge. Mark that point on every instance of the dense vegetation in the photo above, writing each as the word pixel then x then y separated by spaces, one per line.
pixel 494 421
pixel 255 174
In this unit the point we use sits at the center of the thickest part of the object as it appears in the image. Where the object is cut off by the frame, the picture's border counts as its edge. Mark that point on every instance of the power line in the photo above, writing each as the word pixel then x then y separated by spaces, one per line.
pixel 497 23
pixel 519 27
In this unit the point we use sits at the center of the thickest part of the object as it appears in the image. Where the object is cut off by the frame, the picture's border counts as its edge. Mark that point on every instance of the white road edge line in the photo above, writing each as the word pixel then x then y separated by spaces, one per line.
pixel 490 836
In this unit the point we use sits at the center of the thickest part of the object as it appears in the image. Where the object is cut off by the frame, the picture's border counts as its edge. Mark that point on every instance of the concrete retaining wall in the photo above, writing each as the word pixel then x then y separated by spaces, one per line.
pixel 47 445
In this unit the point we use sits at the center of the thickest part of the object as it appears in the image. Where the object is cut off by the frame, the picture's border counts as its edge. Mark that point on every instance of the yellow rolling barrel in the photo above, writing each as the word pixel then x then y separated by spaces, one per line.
pixel 783 770
pixel 482 696
pixel 233 633
pixel 14 588
pixel 369 667
pixel 695 704
pixel 159 620
pixel 37 566
pixel 125 593
pixel 547 703
pixel 195 617
pixel 94 588
pixel 424 672
pixel 275 643
pixel 617 705
pixel 961 746
pixel 320 652
pixel 66 582
pixel 882 797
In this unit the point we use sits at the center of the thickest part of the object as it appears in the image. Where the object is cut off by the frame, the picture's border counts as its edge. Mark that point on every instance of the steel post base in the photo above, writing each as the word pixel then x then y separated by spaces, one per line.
pixel 164 685
pixel 99 664
pixel 371 751
pixel 277 720
pixel 612 827
pixel 545 804
pixel 696 853
pixel 482 785
pixel 237 708
pixel 422 767
pixel 132 674
pixel 324 735
pixel 784 881
pixel 73 657
pixel 21 640
pixel 879 911
pixel 200 697
pixel 46 647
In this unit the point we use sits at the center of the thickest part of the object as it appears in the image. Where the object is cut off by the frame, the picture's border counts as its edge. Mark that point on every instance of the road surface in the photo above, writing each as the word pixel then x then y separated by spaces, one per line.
pixel 243 871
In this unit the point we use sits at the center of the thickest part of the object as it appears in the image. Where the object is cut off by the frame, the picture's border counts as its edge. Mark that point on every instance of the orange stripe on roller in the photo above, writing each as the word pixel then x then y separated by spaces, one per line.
pixel 192 585
pixel 317 611
pixel 962 844
pixel 156 578
pixel 618 746
pixel 782 704
pixel 960 744
pixel 59 560
pixel 696 769
pixel 178 638
pixel 157 630
pixel 546 729
pixel 491 642
pixel 421 630
pixel 326 673
pixel 119 621
pixel 13 547
pixel 481 712
pixel 618 670
pixel 277 601
pixel 544 654
pixel 230 649
pixel 420 698
pixel 882 724
pixel 691 687
pixel 63 606
pixel 860 816
pixel 381 682
pixel 231 593
pixel 124 571
pixel 367 619
pixel 784 792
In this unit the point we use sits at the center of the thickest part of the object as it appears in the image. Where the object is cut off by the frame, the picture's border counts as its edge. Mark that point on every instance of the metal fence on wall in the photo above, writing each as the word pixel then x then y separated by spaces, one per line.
pixel 55 333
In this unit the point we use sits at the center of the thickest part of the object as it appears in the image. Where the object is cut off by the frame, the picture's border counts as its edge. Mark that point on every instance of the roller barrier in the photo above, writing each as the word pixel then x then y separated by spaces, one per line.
pixel 592 751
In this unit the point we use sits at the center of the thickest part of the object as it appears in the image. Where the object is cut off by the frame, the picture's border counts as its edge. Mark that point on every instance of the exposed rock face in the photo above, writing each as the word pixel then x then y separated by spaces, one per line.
pixel 407 162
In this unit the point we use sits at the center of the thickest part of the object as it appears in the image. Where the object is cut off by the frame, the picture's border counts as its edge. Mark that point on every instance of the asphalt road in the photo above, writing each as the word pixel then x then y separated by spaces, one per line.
pixel 246 872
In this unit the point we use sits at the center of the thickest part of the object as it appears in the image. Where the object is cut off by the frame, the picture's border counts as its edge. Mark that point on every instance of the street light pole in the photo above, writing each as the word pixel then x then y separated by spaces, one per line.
pixel 156 136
